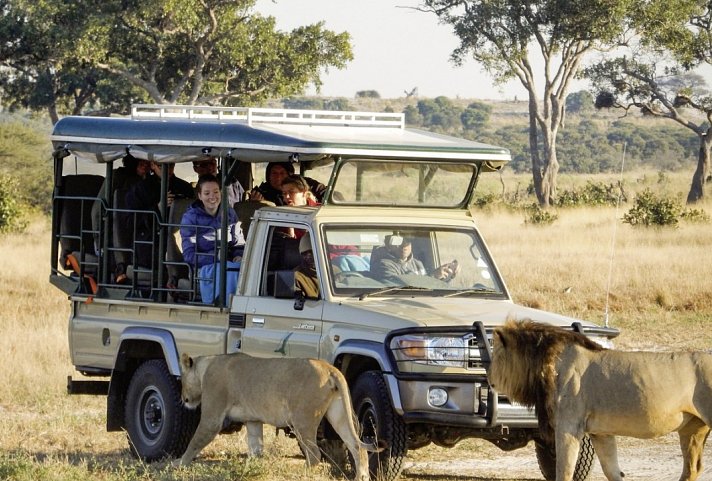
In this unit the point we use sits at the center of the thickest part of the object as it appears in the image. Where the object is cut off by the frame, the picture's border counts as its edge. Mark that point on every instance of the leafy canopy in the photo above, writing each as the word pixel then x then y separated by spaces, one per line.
pixel 105 54
pixel 210 51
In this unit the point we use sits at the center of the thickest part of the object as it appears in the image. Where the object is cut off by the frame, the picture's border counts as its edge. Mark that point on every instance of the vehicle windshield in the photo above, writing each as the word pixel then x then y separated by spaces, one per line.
pixel 372 261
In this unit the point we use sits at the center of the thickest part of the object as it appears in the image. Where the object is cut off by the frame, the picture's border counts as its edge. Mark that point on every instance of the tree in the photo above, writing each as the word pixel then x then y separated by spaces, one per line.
pixel 209 51
pixel 656 80
pixel 475 116
pixel 316 103
pixel 504 35
pixel 165 51
pixel 439 112
pixel 40 67
pixel 412 115
pixel 579 102
pixel 368 94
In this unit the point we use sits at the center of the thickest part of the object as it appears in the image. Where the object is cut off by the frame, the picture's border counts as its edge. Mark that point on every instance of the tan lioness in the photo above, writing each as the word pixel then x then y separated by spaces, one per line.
pixel 294 393
pixel 580 388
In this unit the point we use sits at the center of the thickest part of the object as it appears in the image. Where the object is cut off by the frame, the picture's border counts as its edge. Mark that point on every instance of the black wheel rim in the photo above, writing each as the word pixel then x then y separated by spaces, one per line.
pixel 369 431
pixel 151 411
pixel 367 418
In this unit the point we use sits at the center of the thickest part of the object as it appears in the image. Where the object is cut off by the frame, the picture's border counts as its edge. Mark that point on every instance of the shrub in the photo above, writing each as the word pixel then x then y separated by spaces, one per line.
pixel 648 209
pixel 593 194
pixel 698 216
pixel 538 216
pixel 11 212
pixel 485 200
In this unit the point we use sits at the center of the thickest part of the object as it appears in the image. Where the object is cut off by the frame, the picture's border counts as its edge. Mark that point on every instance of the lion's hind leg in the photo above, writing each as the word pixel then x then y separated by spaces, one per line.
pixel 607 452
pixel 204 434
pixel 340 416
pixel 305 430
pixel 693 436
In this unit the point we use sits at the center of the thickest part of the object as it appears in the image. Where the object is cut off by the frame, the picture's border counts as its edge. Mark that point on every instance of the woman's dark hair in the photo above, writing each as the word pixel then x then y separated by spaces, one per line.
pixel 204 179
pixel 130 162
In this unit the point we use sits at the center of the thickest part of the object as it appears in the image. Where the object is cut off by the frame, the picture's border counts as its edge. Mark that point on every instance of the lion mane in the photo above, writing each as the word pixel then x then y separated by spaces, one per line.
pixel 524 359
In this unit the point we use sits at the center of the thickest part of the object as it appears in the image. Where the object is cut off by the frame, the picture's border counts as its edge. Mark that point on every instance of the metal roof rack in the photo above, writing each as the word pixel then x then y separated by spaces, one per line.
pixel 253 115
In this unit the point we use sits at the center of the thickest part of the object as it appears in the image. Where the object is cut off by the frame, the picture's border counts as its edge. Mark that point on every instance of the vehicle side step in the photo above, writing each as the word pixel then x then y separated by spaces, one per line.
pixel 87 387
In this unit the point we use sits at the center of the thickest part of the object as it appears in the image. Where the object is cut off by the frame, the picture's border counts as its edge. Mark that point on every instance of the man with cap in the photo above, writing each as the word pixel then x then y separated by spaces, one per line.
pixel 398 259
pixel 305 278
pixel 209 166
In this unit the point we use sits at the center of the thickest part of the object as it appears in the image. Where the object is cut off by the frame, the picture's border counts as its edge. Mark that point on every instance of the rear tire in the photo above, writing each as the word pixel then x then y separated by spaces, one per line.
pixel 157 423
pixel 546 456
pixel 380 422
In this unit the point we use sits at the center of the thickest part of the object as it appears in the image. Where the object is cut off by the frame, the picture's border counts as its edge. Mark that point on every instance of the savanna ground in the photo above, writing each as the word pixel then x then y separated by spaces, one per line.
pixel 660 298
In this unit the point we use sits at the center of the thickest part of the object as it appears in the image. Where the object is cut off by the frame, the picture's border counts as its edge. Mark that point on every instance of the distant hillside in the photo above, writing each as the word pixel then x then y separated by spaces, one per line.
pixel 590 142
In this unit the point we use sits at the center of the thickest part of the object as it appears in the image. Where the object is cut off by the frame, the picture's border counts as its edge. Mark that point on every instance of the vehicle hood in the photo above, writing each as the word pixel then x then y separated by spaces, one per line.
pixel 440 311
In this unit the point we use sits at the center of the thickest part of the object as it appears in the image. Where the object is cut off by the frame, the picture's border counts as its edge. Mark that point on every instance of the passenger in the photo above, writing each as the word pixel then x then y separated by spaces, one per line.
pixel 209 166
pixel 199 226
pixel 132 171
pixel 305 278
pixel 146 195
pixel 398 259
pixel 296 192
pixel 271 189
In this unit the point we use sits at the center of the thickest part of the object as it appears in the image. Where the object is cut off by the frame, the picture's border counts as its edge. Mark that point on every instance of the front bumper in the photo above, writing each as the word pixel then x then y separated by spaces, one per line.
pixel 469 405
pixel 470 402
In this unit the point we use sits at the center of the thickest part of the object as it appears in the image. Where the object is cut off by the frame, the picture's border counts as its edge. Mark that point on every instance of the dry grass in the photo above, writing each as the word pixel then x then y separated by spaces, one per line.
pixel 660 297
pixel 34 321
pixel 659 278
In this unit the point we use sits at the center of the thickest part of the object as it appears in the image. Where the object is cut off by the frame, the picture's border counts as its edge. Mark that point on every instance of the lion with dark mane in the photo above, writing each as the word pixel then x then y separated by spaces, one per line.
pixel 579 387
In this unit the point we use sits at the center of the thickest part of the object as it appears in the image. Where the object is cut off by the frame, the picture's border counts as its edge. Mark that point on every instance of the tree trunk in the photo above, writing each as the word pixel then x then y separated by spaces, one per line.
pixel 53 115
pixel 537 167
pixel 697 189
pixel 551 169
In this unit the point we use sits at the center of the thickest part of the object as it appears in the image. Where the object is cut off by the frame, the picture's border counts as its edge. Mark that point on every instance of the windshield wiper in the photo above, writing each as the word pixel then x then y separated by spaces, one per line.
pixel 386 290
pixel 474 290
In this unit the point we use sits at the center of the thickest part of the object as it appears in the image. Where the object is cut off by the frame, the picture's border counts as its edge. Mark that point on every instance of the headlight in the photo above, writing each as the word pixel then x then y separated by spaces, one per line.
pixel 436 351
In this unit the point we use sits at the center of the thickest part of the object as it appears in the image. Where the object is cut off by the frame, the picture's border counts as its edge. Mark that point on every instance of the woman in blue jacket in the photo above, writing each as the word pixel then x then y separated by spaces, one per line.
pixel 200 234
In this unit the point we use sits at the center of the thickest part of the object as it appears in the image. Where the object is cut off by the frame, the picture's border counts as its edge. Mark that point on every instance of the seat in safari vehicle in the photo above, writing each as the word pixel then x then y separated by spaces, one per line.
pixel 74 201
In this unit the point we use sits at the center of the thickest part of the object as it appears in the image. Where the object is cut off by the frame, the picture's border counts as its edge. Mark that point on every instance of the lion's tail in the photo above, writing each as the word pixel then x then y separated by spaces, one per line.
pixel 340 385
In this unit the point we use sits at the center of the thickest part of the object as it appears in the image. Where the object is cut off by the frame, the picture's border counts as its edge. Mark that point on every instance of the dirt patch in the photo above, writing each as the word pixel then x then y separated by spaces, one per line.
pixel 658 459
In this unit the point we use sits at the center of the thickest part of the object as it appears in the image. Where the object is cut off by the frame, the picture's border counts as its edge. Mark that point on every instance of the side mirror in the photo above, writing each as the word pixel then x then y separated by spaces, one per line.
pixel 299 301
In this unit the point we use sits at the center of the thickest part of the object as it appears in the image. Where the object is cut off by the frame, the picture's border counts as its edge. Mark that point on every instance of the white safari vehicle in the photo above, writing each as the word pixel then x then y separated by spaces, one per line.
pixel 412 343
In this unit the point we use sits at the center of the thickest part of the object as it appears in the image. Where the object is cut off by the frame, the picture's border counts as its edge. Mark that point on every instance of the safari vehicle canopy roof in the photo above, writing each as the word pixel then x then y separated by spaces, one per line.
pixel 180 134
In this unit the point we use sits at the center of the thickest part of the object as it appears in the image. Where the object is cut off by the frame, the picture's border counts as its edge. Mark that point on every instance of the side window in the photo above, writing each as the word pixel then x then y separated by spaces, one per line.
pixel 282 254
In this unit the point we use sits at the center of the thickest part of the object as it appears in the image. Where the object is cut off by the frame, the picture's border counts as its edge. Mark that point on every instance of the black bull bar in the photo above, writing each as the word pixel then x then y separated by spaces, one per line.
pixel 477 356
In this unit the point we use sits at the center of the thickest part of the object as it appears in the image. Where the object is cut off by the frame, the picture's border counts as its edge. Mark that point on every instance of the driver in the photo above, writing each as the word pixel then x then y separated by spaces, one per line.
pixel 398 260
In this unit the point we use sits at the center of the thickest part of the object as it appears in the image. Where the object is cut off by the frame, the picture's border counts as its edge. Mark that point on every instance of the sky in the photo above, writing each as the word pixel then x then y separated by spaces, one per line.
pixel 395 49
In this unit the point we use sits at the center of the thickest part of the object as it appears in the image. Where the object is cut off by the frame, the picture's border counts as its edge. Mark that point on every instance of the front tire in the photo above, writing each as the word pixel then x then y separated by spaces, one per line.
pixel 335 453
pixel 157 423
pixel 546 456
pixel 378 420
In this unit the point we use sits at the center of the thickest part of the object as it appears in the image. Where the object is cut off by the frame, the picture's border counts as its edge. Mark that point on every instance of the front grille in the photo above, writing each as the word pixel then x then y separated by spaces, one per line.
pixel 473 355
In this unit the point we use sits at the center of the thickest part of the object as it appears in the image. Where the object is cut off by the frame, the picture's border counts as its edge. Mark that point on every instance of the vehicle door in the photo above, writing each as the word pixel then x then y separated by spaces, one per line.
pixel 282 327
